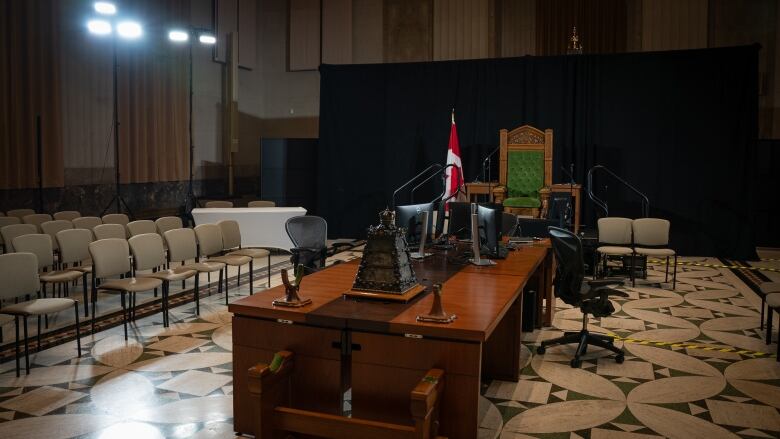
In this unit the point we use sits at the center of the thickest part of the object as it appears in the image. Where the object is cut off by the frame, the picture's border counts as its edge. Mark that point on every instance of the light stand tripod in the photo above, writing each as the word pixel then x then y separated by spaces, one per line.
pixel 118 190
pixel 190 200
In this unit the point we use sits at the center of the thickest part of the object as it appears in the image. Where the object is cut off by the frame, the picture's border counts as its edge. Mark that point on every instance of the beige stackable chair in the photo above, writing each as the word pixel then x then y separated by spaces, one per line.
pixel 111 257
pixel 140 227
pixel 615 239
pixel 651 238
pixel 74 254
pixel 41 246
pixel 148 254
pixel 231 246
pixel 261 203
pixel 51 228
pixel 168 223
pixel 182 247
pixel 7 221
pixel 19 277
pixel 20 213
pixel 210 246
pixel 68 215
pixel 87 222
pixel 37 219
pixel 117 218
pixel 12 231
pixel 105 231
pixel 211 204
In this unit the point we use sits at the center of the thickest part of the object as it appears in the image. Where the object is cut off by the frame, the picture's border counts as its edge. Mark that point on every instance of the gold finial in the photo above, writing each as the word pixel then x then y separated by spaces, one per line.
pixel 574 43
pixel 453 115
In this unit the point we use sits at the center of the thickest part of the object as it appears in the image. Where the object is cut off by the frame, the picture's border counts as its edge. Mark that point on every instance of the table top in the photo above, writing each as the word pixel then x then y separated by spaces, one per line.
pixel 479 296
pixel 248 209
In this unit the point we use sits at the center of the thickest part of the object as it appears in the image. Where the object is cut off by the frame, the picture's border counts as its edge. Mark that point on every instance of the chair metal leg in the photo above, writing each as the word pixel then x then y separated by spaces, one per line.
pixel 16 345
pixel 269 270
pixel 238 279
pixel 78 328
pixel 26 348
pixel 124 313
pixel 94 302
pixel 220 282
pixel 251 275
pixel 666 275
pixel 674 275
pixel 197 294
pixel 86 299
pixel 183 280
pixel 38 338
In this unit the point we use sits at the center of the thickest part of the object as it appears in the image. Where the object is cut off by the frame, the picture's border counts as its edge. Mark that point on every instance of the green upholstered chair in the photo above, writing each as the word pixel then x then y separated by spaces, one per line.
pixel 525 172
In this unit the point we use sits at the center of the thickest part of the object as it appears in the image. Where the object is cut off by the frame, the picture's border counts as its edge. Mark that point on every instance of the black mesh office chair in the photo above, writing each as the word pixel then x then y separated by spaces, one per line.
pixel 592 297
pixel 309 235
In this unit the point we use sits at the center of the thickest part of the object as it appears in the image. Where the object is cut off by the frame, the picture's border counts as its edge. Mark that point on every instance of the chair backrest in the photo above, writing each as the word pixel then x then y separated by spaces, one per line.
pixel 12 231
pixel 110 257
pixel 525 160
pixel 307 231
pixel 18 275
pixel 7 221
pixel 20 213
pixel 219 204
pixel 51 228
pixel 38 244
pixel 209 239
pixel 69 215
pixel 37 219
pixel 74 245
pixel 615 230
pixel 105 231
pixel 508 224
pixel 261 203
pixel 570 266
pixel 141 226
pixel 116 218
pixel 147 249
pixel 168 223
pixel 231 234
pixel 87 222
pixel 651 232
pixel 182 244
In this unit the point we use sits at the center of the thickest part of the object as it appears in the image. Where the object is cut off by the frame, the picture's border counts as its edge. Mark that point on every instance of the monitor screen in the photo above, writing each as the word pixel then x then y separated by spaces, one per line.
pixel 410 218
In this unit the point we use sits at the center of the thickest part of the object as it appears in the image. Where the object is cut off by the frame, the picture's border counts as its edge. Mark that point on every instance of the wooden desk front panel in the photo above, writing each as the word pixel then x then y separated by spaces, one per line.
pixel 387 367
pixel 317 382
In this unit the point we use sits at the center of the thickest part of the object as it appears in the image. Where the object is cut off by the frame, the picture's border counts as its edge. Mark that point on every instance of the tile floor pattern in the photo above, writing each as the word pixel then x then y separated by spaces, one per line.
pixel 177 382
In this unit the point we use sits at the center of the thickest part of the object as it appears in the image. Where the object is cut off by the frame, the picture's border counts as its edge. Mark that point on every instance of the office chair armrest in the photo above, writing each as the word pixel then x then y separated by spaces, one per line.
pixel 597 283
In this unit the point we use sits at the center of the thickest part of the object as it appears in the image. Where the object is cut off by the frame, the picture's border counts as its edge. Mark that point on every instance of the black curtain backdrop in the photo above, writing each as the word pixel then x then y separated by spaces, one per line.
pixel 677 125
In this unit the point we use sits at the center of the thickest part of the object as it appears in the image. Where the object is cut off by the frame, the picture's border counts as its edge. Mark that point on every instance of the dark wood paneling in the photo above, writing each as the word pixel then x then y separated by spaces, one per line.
pixel 408 30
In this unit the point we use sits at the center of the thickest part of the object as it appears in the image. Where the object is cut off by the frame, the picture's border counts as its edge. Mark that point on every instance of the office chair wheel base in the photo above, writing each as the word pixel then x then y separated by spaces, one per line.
pixel 620 358
pixel 575 363
pixel 540 350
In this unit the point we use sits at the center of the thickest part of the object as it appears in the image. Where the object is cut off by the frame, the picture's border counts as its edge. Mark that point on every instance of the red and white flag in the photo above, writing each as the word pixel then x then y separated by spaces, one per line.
pixel 454 178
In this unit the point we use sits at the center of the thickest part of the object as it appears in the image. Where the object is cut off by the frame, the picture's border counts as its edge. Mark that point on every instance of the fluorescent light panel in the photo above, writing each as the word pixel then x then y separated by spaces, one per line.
pixel 105 8
pixel 129 29
pixel 99 27
pixel 207 39
pixel 178 35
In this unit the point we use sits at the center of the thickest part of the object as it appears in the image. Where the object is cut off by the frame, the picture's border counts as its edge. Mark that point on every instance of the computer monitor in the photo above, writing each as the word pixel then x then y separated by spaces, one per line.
pixel 409 217
pixel 459 223
pixel 490 230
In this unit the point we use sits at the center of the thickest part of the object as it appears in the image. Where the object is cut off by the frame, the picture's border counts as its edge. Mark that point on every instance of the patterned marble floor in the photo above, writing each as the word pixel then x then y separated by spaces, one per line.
pixel 177 382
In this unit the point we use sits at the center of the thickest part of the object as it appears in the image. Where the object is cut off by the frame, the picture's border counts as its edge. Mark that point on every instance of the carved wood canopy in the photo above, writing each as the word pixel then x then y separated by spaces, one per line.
pixel 526 134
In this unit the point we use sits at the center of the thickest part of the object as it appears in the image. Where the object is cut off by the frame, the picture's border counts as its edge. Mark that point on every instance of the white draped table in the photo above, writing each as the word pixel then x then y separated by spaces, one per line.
pixel 260 226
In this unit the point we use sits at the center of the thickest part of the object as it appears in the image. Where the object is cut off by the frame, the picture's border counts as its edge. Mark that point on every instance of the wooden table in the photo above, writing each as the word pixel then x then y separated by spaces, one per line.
pixel 380 351
pixel 480 188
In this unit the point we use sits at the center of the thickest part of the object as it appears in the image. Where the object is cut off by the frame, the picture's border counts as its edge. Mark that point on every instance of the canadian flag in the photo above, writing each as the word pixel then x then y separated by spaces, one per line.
pixel 454 178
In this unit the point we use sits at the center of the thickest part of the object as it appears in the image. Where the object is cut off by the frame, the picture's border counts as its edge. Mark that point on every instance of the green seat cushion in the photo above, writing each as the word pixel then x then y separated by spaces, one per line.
pixel 522 202
pixel 525 175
